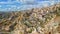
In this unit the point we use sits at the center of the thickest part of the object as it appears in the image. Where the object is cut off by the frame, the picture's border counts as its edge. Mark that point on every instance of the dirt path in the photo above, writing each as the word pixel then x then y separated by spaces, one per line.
pixel 57 19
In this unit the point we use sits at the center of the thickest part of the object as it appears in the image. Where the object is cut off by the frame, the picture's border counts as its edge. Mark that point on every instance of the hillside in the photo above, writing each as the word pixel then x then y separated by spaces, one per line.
pixel 35 21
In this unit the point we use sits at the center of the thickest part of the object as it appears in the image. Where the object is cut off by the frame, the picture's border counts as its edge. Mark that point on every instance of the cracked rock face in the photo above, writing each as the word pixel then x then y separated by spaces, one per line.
pixel 34 21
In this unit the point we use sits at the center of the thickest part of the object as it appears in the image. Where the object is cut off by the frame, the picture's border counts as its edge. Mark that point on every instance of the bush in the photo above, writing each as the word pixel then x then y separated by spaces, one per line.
pixel 0 17
pixel 57 12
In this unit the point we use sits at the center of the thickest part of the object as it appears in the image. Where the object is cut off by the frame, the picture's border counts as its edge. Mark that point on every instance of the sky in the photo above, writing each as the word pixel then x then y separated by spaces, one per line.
pixel 17 5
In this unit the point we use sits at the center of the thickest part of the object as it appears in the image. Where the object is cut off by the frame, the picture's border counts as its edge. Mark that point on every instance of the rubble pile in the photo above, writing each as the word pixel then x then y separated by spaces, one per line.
pixel 34 21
